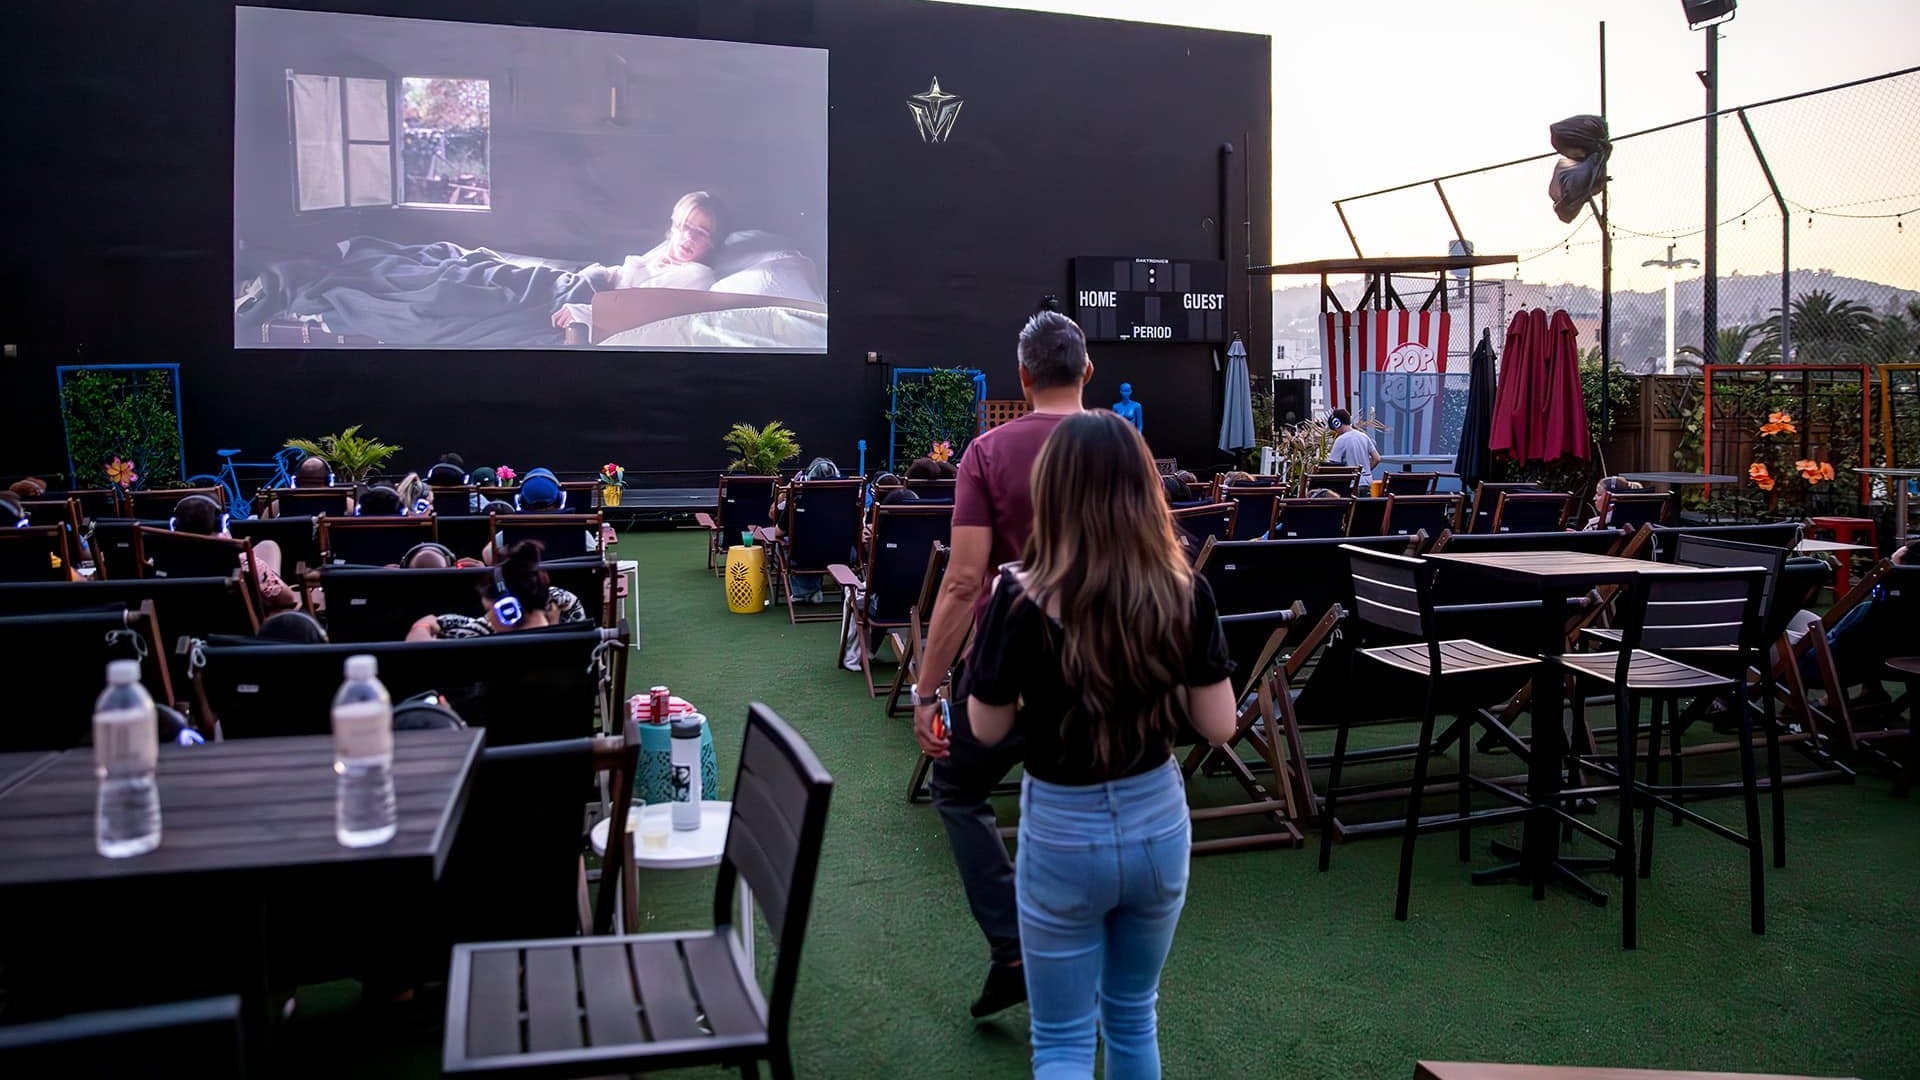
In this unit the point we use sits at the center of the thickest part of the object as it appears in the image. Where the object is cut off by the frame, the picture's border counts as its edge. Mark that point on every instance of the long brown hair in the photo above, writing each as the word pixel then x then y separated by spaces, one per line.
pixel 1104 556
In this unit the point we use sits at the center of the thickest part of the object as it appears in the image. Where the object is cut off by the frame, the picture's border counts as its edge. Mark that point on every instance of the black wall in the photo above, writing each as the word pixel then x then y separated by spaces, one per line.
pixel 1078 136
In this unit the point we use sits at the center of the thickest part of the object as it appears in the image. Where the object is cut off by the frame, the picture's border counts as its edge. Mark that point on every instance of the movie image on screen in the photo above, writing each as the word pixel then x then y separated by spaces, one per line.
pixel 409 183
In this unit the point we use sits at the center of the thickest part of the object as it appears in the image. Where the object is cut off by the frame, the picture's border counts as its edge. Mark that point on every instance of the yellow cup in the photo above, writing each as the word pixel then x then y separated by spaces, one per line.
pixel 1379 487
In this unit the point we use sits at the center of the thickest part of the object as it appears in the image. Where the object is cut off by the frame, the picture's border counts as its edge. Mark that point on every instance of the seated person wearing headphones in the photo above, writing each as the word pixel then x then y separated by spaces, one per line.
pixel 312 472
pixel 433 556
pixel 201 516
pixel 540 493
pixel 517 597
pixel 14 516
pixel 381 500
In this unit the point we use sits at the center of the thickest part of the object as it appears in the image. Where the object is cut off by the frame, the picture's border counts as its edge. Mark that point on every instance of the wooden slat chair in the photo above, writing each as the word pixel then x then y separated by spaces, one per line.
pixel 54 713
pixel 93 502
pixel 371 541
pixel 61 511
pixel 1254 641
pixel 159 502
pixel 35 553
pixel 310 501
pixel 742 504
pixel 131 1042
pixel 882 601
pixel 1632 509
pixel 1310 519
pixel 1254 504
pixel 821 528
pixel 1410 483
pixel 1409 514
pixel 1486 496
pixel 1895 592
pixel 456 500
pixel 1393 595
pixel 1666 611
pixel 605 1005
pixel 298 538
pixel 909 643
pixel 1208 521
pixel 163 553
pixel 1781 534
pixel 1531 511
pixel 561 536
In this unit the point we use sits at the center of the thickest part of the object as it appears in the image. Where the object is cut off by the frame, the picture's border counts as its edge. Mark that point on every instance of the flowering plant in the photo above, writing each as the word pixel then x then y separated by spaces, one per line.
pixel 1814 472
pixel 612 475
pixel 1779 423
pixel 1761 478
pixel 121 472
pixel 941 451
pixel 505 474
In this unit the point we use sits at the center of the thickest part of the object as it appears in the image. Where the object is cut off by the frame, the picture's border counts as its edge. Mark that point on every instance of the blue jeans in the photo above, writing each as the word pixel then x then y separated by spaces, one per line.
pixel 1100 876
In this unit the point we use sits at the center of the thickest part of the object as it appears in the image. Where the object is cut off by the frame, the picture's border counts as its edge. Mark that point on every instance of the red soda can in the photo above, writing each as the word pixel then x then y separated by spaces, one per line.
pixel 657 699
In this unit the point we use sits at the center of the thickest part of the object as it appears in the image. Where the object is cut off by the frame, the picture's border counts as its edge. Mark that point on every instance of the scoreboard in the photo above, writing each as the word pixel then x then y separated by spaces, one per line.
pixel 1120 298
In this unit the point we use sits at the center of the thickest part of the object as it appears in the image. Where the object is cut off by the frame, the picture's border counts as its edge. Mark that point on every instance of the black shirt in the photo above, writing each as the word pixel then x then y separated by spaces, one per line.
pixel 1016 658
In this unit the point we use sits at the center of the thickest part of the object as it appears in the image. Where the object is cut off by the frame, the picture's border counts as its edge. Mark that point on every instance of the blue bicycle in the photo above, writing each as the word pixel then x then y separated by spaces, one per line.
pixel 278 473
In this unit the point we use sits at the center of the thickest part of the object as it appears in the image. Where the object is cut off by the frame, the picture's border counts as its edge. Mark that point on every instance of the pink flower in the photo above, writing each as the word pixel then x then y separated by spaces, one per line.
pixel 505 474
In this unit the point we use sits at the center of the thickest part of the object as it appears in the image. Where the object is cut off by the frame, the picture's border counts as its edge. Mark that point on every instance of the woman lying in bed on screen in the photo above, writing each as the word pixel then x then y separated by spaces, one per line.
pixel 680 262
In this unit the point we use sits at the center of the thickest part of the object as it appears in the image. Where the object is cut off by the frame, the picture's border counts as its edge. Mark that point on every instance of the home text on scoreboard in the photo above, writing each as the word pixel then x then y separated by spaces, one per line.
pixel 1129 298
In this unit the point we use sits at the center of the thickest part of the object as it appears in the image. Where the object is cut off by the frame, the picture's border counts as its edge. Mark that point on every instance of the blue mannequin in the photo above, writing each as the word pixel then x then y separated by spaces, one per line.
pixel 1129 409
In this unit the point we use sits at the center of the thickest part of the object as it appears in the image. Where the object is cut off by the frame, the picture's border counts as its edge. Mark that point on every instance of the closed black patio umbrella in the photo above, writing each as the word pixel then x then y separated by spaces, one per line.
pixel 1474 462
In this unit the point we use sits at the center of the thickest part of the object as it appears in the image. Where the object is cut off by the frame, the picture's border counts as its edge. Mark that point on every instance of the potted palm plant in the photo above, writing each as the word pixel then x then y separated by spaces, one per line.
pixel 351 455
pixel 761 450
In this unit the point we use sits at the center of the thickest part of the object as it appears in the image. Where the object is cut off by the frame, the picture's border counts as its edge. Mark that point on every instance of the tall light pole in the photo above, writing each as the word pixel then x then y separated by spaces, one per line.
pixel 1708 15
pixel 1671 264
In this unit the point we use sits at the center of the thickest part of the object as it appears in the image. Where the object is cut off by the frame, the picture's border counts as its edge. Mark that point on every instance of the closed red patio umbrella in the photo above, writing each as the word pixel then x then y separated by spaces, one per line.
pixel 1540 413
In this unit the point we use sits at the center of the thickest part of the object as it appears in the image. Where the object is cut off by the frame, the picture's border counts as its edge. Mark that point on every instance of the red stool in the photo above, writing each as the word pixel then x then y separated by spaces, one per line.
pixel 1845 530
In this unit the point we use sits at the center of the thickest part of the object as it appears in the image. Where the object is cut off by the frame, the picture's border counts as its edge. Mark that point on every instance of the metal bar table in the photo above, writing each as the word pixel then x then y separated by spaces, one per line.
pixel 1899 479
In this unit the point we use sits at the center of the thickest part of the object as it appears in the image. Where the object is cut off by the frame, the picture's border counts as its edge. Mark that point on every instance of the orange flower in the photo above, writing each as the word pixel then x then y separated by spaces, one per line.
pixel 942 451
pixel 121 472
pixel 1813 472
pixel 1779 423
pixel 1760 476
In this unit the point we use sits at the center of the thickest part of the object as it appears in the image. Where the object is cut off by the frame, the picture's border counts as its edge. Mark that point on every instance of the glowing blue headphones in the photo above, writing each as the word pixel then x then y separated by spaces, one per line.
pixel 1334 423
pixel 506 606
pixel 557 508
pixel 420 506
pixel 173 522
pixel 383 487
pixel 465 478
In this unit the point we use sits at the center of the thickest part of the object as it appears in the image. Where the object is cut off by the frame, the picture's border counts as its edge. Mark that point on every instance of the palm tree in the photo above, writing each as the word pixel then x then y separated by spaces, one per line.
pixel 1825 329
pixel 1733 348
pixel 1896 339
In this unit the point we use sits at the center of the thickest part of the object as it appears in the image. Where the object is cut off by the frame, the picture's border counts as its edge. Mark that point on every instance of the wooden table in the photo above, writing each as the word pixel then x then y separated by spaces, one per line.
pixel 243 824
pixel 1680 479
pixel 1554 575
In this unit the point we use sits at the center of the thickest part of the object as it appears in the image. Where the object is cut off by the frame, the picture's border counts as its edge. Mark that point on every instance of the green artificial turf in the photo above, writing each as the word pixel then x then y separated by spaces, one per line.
pixel 1278 970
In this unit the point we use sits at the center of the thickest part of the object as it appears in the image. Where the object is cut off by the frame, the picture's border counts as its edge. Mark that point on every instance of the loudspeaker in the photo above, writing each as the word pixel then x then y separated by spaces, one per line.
pixel 1706 12
pixel 1292 400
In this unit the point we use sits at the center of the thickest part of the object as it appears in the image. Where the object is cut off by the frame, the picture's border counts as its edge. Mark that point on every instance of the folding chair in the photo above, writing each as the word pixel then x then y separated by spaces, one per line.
pixel 455 500
pixel 93 502
pixel 561 536
pixel 298 537
pixel 585 997
pixel 35 553
pixel 1689 610
pixel 741 505
pixel 1254 504
pixel 908 645
pixel 310 502
pixel 68 653
pixel 904 536
pixel 61 511
pixel 1409 514
pixel 1632 509
pixel 822 528
pixel 1531 511
pixel 1393 595
pixel 935 491
pixel 1486 496
pixel 1894 592
pixel 1369 516
pixel 1310 519
pixel 371 541
pixel 1410 483
pixel 1341 483
pixel 1208 521
pixel 159 502
pixel 165 553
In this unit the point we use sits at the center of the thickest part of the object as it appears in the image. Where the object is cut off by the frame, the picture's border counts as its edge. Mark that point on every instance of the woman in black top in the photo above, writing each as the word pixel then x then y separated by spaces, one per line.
pixel 1101 648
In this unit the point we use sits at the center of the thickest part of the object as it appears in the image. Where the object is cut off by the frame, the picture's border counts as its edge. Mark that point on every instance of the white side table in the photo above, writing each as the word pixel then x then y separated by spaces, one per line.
pixel 629 571
pixel 688 850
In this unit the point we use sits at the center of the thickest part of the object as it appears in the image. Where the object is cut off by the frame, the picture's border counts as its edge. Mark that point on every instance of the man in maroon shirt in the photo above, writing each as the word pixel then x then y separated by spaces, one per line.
pixel 992 516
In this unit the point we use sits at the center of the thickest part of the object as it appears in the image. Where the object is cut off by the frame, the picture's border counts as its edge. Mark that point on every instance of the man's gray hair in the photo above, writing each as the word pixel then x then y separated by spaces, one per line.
pixel 1053 351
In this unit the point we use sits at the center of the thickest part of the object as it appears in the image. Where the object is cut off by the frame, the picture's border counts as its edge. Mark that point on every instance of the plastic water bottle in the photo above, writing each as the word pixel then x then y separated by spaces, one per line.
pixel 363 757
pixel 126 748
pixel 686 771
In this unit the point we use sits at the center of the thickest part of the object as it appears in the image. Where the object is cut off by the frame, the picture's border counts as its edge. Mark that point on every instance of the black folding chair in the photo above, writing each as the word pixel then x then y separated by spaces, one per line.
pixel 184 608
pixel 1369 517
pixel 1632 509
pixel 1393 595
pixel 1410 483
pixel 585 997
pixel 1664 612
pixel 35 553
pixel 1311 519
pixel 455 501
pixel 822 527
pixel 561 536
pixel 1208 521
pixel 1409 514
pixel 1531 511
pixel 1342 483
pixel 1486 497
pixel 159 502
pixel 298 537
pixel 1253 516
pixel 371 541
pixel 1782 534
pixel 904 536
pixel 67 655
pixel 310 502
pixel 743 501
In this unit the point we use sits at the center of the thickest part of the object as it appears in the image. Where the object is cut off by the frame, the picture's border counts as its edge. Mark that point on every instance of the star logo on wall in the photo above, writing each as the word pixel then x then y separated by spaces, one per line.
pixel 934 112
